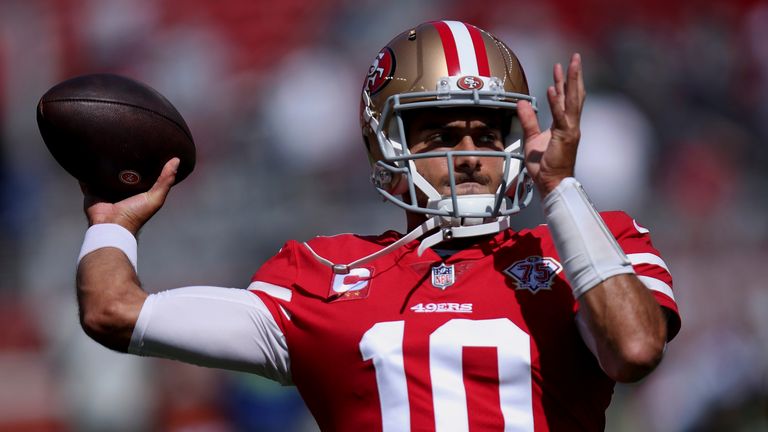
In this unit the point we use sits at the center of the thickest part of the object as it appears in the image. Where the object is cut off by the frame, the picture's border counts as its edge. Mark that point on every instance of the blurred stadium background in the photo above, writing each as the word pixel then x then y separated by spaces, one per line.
pixel 674 132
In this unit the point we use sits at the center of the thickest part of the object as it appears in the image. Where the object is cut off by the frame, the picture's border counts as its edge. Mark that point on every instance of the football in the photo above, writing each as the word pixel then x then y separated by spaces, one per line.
pixel 114 134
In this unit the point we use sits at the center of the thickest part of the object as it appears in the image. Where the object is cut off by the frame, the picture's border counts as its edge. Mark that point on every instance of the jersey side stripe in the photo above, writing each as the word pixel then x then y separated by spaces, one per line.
pixel 465 48
pixel 647 258
pixel 657 285
pixel 275 291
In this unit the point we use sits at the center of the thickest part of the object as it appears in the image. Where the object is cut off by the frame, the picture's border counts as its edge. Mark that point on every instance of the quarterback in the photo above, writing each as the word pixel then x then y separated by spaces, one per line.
pixel 460 324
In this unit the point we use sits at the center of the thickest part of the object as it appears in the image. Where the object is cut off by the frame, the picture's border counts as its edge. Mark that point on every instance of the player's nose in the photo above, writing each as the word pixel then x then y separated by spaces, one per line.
pixel 466 161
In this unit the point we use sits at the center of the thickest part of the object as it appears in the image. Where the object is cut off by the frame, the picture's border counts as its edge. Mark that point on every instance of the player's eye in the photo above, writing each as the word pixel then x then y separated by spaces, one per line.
pixel 487 139
pixel 441 138
pixel 434 137
pixel 490 139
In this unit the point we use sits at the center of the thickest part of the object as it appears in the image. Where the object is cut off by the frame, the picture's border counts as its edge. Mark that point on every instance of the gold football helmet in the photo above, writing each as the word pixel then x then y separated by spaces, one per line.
pixel 443 64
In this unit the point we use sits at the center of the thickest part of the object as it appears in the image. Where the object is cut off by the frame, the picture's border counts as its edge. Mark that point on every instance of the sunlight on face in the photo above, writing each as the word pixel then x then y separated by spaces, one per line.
pixel 458 129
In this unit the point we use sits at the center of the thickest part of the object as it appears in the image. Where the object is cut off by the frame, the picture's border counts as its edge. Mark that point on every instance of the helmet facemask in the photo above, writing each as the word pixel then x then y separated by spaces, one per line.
pixel 395 172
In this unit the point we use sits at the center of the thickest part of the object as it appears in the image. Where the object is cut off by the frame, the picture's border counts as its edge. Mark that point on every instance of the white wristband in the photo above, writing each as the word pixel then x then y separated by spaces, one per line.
pixel 109 235
pixel 588 250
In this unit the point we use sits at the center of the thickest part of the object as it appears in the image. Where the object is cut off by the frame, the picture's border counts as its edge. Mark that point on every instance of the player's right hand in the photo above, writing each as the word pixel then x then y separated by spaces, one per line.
pixel 550 155
pixel 133 212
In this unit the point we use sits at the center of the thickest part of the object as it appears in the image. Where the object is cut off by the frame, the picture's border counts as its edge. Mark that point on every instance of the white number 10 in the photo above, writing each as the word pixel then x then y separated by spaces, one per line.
pixel 383 343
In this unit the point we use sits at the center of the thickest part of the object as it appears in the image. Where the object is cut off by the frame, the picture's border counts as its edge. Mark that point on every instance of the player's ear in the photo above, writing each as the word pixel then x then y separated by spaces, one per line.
pixel 400 185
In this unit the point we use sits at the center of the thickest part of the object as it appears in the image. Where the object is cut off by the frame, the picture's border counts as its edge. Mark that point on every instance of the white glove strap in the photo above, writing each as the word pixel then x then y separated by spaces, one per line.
pixel 588 250
pixel 109 235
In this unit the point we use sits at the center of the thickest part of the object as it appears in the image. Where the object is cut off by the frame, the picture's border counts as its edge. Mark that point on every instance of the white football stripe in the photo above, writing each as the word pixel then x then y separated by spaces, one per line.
pixel 275 291
pixel 647 258
pixel 640 229
pixel 465 47
pixel 285 312
pixel 657 285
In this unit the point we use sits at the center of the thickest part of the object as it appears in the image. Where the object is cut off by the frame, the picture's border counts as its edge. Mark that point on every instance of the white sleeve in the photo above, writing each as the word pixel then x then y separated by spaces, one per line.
pixel 225 328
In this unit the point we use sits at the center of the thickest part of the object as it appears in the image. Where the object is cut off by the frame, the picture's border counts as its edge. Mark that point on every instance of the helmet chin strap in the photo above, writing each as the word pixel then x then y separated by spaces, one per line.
pixel 453 232
pixel 468 204
pixel 445 233
pixel 417 232
pixel 450 227
pixel 460 227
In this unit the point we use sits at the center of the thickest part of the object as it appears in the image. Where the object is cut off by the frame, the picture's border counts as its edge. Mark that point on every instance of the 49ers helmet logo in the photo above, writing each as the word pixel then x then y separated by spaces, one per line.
pixel 381 70
pixel 470 82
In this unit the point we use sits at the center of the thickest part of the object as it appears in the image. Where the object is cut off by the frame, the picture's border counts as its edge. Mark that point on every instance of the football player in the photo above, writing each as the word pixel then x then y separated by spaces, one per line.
pixel 462 323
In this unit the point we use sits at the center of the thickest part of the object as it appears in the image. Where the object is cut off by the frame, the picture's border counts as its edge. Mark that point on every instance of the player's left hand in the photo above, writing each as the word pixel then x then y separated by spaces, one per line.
pixel 133 212
pixel 550 156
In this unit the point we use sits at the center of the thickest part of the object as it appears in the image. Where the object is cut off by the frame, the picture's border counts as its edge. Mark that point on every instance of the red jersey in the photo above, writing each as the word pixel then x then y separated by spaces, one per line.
pixel 484 340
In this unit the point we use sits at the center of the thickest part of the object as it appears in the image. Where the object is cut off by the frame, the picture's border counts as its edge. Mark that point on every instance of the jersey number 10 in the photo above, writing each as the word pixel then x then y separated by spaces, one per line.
pixel 383 343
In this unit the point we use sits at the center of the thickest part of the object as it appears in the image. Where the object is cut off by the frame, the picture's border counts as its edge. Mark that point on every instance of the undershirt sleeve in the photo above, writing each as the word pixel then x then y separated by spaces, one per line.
pixel 225 328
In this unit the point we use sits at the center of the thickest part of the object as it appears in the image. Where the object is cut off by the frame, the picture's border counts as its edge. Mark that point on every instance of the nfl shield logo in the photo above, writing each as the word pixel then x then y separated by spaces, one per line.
pixel 442 276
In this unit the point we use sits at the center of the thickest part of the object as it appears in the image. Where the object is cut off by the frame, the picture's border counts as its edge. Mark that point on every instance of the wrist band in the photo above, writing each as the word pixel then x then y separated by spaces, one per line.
pixel 588 250
pixel 109 235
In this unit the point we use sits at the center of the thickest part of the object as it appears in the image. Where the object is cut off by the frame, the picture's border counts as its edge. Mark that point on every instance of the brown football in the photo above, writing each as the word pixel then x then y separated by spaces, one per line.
pixel 113 133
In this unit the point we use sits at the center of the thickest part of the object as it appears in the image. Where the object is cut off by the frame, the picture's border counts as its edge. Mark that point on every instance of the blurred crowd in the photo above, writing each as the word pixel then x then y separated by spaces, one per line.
pixel 673 132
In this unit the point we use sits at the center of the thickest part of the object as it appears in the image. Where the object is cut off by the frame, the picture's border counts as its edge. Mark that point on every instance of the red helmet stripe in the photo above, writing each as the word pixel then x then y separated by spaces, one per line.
pixel 449 48
pixel 483 68
pixel 464 48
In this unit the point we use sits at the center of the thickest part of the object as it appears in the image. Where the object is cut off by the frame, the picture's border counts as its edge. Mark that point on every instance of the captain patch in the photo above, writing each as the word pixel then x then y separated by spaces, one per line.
pixel 354 285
